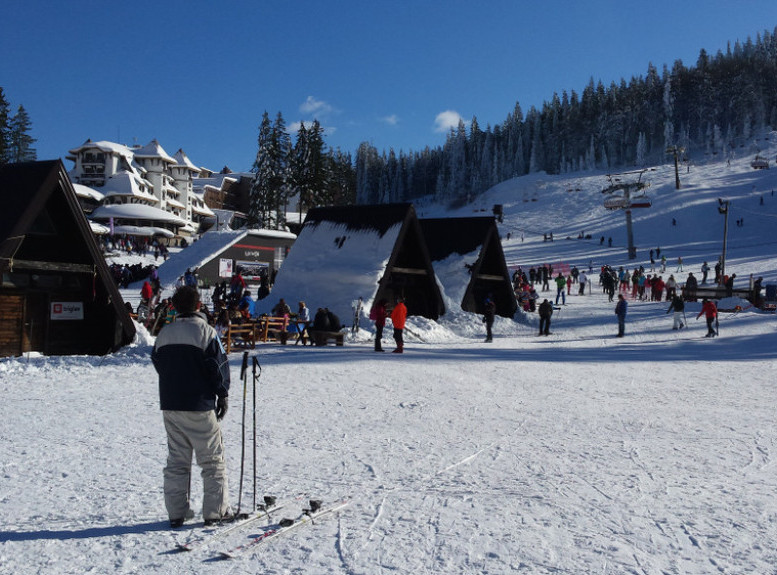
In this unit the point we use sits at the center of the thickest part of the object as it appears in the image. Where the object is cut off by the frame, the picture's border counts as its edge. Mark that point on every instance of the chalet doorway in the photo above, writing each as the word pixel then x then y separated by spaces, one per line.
pixel 23 319
pixel 36 314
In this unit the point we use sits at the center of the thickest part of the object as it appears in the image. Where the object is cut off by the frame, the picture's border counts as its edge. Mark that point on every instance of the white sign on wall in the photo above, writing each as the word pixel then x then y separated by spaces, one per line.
pixel 67 310
pixel 225 268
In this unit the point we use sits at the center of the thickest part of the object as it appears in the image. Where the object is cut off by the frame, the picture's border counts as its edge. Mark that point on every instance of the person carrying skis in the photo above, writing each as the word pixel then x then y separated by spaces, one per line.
pixel 193 388
pixel 710 311
pixel 398 319
pixel 620 311
pixel 678 306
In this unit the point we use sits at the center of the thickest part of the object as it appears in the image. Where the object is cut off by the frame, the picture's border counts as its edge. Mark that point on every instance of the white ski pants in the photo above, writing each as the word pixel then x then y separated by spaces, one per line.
pixel 678 320
pixel 198 432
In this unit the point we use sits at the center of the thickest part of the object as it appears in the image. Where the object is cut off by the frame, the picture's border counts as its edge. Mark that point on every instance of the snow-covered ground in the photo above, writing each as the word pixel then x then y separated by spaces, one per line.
pixel 573 453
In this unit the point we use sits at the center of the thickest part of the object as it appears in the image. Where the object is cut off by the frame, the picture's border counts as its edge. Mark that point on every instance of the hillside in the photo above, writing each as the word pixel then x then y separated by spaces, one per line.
pixel 569 205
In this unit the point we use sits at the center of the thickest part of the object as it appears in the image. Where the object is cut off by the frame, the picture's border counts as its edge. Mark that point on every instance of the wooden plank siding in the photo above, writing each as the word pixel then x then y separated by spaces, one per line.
pixel 11 324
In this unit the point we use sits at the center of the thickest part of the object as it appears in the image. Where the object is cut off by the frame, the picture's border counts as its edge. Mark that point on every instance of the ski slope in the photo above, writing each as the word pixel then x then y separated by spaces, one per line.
pixel 573 453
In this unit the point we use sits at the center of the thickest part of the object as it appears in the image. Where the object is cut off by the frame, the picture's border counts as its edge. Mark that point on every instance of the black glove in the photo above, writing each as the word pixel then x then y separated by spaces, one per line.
pixel 221 407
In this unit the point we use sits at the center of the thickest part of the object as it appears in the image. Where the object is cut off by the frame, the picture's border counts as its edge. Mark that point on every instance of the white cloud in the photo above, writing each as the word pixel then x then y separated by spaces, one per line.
pixel 314 107
pixel 294 127
pixel 391 120
pixel 447 120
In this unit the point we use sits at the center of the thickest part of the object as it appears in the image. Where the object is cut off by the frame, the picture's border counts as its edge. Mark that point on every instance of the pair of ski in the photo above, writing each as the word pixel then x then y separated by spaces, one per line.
pixel 203 539
pixel 284 526
pixel 206 535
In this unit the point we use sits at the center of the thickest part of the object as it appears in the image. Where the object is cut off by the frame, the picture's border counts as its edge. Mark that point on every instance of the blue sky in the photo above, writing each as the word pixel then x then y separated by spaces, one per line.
pixel 199 75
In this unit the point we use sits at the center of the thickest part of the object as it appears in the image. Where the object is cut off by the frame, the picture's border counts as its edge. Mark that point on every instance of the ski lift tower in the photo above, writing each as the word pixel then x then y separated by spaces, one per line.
pixel 676 151
pixel 621 198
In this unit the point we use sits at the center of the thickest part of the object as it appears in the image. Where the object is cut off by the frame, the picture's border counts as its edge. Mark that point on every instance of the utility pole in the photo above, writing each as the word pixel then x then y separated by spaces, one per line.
pixel 675 151
pixel 723 209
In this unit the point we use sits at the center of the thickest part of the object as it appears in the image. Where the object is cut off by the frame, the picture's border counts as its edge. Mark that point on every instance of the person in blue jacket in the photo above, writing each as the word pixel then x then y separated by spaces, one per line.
pixel 193 389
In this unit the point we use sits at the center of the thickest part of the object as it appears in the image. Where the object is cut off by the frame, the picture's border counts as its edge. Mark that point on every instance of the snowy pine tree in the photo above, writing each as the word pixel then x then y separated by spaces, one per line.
pixel 5 153
pixel 20 143
pixel 268 195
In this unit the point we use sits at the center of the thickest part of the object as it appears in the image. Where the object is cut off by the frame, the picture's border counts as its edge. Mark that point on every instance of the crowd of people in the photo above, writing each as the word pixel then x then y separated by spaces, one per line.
pixel 622 284
pixel 133 245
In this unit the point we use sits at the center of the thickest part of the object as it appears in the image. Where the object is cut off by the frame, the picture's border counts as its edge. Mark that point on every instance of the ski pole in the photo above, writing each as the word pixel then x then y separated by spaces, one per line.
pixel 243 370
pixel 257 371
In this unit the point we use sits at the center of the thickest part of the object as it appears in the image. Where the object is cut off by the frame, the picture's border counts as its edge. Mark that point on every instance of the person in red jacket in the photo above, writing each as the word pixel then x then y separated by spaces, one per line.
pixel 710 312
pixel 378 314
pixel 146 292
pixel 398 317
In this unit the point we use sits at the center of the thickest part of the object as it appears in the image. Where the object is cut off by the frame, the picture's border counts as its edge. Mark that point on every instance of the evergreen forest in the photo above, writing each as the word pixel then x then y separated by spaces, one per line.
pixel 704 112
pixel 16 143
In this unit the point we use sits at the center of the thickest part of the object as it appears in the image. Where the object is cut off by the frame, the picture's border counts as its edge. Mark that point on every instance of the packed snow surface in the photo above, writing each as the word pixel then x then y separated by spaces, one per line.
pixel 573 453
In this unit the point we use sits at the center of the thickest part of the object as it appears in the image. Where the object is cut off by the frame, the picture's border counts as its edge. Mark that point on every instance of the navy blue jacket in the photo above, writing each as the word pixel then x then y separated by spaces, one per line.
pixel 192 365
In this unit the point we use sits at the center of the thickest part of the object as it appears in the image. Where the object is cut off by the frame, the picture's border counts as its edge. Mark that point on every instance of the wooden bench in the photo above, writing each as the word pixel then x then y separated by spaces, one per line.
pixel 273 328
pixel 239 335
pixel 322 337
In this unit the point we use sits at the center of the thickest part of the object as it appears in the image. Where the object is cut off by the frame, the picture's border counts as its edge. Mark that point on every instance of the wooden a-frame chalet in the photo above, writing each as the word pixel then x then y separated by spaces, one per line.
pixel 57 295
pixel 488 273
pixel 347 252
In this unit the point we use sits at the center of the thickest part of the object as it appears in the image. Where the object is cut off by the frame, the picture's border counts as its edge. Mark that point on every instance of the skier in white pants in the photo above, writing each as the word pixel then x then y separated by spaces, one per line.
pixel 193 388
pixel 678 306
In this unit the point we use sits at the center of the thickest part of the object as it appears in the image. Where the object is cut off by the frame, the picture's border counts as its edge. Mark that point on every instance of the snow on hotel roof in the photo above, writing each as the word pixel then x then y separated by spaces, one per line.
pixel 154 150
pixel 143 231
pixel 136 212
pixel 127 184
pixel 182 159
pixel 87 192
pixel 104 146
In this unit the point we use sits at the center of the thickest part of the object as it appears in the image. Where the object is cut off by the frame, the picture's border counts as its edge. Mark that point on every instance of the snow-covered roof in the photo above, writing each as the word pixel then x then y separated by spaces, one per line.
pixel 202 209
pixel 216 181
pixel 181 159
pixel 143 231
pixel 126 183
pixel 104 146
pixel 136 212
pixel 99 229
pixel 344 271
pixel 207 247
pixel 280 234
pixel 175 203
pixel 203 250
pixel 83 191
pixel 153 150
